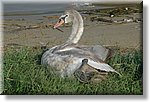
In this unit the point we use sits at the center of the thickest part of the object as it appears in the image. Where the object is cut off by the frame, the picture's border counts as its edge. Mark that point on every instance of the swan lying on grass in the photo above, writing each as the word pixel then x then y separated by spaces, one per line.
pixel 70 57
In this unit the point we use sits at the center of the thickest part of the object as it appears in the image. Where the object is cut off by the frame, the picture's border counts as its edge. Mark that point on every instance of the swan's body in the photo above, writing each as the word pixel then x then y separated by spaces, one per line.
pixel 68 57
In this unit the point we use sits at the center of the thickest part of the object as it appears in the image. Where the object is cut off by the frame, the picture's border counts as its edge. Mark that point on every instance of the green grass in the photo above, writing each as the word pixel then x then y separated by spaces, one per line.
pixel 23 75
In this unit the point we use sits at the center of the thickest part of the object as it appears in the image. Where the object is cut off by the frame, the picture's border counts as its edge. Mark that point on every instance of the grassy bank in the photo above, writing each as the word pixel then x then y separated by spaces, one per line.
pixel 24 75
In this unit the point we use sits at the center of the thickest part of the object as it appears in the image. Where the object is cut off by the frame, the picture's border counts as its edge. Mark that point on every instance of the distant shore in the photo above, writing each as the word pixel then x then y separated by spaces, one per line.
pixel 123 30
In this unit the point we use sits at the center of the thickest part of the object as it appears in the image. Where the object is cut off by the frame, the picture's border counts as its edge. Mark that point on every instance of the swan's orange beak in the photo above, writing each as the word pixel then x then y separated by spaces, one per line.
pixel 59 23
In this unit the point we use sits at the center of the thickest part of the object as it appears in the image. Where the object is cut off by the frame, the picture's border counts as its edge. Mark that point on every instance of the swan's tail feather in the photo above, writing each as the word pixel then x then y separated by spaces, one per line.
pixel 102 66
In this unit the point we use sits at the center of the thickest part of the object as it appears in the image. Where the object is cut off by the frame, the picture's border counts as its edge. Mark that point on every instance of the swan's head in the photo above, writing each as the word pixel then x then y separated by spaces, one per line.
pixel 67 17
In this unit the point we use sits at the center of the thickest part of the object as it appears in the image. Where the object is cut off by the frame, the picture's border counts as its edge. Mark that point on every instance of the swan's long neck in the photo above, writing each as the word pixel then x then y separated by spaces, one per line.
pixel 77 29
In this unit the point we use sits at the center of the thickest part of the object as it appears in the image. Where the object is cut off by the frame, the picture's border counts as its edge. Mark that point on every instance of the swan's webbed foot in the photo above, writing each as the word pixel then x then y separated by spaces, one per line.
pixel 87 74
pixel 83 77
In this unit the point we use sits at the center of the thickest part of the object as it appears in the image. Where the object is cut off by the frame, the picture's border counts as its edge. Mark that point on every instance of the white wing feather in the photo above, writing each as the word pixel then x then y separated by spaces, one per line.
pixel 101 66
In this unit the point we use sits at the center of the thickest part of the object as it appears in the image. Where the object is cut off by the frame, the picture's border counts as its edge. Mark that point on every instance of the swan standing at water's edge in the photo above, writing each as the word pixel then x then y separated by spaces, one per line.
pixel 69 56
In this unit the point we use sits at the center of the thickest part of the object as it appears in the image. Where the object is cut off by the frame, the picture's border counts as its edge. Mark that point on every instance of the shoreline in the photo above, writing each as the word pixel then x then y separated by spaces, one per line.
pixel 123 35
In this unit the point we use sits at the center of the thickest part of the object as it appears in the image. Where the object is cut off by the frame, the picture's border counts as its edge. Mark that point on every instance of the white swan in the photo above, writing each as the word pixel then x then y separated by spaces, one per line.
pixel 68 57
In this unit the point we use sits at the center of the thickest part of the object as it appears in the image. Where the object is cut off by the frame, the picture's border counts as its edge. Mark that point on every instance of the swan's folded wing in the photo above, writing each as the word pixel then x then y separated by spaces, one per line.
pixel 101 66
pixel 100 51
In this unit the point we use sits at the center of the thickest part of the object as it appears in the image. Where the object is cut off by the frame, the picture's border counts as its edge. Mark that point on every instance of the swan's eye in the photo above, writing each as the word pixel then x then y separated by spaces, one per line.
pixel 67 15
pixel 63 17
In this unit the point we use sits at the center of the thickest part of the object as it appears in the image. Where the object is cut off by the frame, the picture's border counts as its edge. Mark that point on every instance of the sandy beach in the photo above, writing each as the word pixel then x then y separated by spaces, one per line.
pixel 120 32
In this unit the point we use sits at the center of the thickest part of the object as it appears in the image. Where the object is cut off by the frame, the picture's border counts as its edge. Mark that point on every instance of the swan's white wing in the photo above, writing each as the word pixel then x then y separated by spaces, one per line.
pixel 101 66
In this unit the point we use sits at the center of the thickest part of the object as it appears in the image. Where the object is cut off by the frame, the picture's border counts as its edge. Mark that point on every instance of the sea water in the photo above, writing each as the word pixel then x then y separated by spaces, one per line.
pixel 32 10
pixel 38 10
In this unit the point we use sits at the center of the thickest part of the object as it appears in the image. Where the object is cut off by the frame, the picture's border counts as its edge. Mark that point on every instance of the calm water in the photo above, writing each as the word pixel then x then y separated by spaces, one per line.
pixel 34 8
pixel 37 10
pixel 16 11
